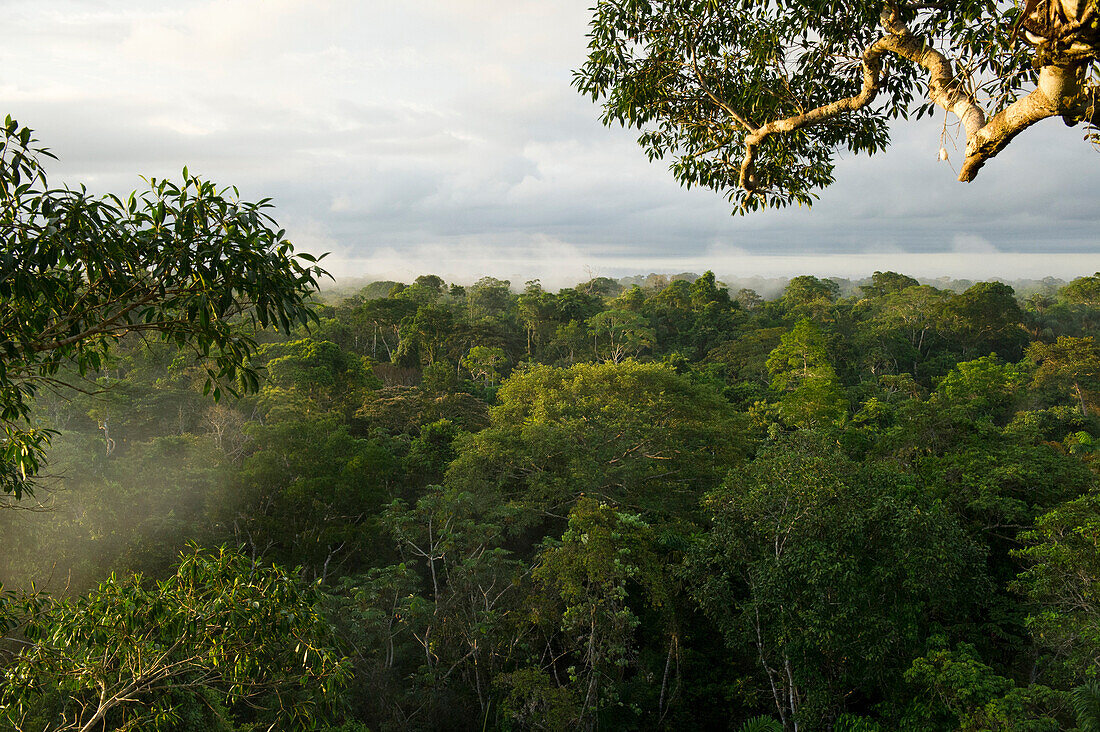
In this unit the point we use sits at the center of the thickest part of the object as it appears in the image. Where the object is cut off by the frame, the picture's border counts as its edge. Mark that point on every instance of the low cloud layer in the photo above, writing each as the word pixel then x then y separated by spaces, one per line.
pixel 560 264
pixel 445 131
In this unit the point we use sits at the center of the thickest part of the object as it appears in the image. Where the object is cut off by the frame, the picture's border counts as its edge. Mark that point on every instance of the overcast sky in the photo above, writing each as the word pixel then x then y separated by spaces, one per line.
pixel 444 136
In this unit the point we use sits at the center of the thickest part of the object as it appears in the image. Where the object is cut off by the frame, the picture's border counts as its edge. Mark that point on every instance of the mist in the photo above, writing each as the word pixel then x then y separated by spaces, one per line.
pixel 556 264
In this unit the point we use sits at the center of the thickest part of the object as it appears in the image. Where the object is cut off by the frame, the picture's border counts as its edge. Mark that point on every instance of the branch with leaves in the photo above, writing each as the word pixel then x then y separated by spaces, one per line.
pixel 125 654
pixel 756 99
pixel 189 262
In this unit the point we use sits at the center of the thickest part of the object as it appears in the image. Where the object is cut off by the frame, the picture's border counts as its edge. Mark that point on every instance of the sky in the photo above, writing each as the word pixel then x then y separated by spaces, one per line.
pixel 444 136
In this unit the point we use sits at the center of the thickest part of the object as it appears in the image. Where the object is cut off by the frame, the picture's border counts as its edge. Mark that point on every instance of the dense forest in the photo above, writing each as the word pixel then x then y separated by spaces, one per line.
pixel 661 505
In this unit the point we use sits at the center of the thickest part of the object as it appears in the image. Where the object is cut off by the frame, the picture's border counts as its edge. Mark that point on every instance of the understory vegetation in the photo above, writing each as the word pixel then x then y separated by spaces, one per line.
pixel 655 506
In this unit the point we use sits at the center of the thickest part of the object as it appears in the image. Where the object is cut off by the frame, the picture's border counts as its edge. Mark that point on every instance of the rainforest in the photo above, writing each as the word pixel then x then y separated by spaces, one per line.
pixel 654 503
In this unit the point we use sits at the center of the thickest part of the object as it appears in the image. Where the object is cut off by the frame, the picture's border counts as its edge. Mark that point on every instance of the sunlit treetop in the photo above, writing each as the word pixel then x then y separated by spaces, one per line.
pixel 755 98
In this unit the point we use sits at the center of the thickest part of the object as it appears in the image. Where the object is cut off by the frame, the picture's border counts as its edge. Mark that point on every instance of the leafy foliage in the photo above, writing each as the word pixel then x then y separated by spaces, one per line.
pixel 817 562
pixel 1086 705
pixel 630 432
pixel 77 273
pixel 836 508
pixel 756 99
pixel 129 652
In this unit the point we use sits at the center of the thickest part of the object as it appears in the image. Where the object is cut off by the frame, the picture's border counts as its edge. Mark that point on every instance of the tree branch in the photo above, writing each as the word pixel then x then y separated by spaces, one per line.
pixel 1058 93
pixel 872 76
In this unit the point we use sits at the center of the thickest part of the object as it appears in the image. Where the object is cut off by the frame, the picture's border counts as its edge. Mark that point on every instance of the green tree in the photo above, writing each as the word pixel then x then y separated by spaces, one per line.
pixel 425 290
pixel 600 287
pixel 1086 704
pixel 993 467
pixel 968 696
pixel 378 289
pixel 309 378
pixel 748 299
pixel 1075 362
pixel 424 336
pixel 706 290
pixel 982 389
pixel 602 553
pixel 538 313
pixel 431 452
pixel 384 316
pixel 631 300
pixel 489 298
pixel 901 329
pixel 884 283
pixel 129 654
pixel 835 573
pixel 309 492
pixel 485 363
pixel 406 409
pixel 638 435
pixel 1062 579
pixel 756 100
pixel 671 315
pixel 677 294
pixel 618 334
pixel 571 343
pixel 1083 291
pixel 801 372
pixel 986 319
pixel 182 261
pixel 806 289
pixel 745 359
pixel 462 625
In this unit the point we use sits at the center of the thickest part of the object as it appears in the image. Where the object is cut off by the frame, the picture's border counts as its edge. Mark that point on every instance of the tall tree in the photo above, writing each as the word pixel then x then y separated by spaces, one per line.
pixel 884 283
pixel 802 374
pixel 834 573
pixel 1073 361
pixel 756 99
pixel 639 435
pixel 986 319
pixel 537 312
pixel 1063 581
pixel 617 334
pixel 1083 290
pixel 601 556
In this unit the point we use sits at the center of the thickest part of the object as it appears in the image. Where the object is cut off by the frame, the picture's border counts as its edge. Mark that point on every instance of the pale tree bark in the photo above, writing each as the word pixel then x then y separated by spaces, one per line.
pixel 1061 90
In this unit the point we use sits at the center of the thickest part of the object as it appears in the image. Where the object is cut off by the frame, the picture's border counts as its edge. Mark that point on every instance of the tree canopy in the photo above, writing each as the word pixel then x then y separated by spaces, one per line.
pixel 240 639
pixel 855 505
pixel 756 98
pixel 78 272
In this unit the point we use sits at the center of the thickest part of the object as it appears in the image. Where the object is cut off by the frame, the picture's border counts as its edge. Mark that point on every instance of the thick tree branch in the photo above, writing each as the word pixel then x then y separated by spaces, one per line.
pixel 872 76
pixel 1058 93
pixel 1046 100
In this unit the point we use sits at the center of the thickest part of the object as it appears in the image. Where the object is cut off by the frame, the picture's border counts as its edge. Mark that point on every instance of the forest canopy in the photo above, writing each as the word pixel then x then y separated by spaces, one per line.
pixel 645 504
pixel 650 503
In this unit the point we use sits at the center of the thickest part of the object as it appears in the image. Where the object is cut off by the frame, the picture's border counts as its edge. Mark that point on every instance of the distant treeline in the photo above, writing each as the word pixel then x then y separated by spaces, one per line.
pixel 768 288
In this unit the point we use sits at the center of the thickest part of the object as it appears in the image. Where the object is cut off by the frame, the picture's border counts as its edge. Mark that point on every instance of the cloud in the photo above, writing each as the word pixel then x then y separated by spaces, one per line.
pixel 561 264
pixel 388 132
pixel 972 244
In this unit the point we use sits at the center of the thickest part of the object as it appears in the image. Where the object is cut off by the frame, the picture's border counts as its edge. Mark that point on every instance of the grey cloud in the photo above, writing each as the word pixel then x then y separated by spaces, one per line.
pixel 426 128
